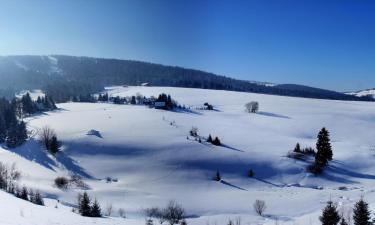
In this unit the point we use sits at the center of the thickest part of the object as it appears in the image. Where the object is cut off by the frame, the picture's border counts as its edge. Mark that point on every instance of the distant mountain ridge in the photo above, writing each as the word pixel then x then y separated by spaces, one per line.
pixel 56 74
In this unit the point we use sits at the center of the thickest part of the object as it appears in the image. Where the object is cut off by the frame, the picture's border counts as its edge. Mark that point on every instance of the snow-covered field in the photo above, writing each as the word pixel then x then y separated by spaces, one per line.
pixel 147 150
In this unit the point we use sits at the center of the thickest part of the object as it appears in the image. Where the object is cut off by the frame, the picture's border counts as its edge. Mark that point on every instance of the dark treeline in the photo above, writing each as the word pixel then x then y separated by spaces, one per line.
pixel 13 130
pixel 63 77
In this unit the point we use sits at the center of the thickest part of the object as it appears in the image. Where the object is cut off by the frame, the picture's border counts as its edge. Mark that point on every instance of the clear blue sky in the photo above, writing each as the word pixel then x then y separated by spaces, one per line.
pixel 323 43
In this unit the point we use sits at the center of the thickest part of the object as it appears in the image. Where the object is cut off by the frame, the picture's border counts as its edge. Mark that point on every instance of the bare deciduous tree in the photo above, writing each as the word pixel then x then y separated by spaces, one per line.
pixel 46 136
pixel 121 213
pixel 252 107
pixel 109 209
pixel 259 207
pixel 174 213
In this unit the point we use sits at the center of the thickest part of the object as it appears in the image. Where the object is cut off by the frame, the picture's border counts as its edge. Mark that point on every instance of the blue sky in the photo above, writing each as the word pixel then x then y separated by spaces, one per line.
pixel 322 43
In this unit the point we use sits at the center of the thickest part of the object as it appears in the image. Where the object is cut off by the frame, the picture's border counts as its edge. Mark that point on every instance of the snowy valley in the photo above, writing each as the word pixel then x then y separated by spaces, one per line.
pixel 133 157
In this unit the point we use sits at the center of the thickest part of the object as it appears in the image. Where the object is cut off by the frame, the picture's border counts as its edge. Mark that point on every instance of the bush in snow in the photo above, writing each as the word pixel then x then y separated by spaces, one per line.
pixel 62 182
pixel 194 132
pixel 252 107
pixel 173 213
pixel 259 207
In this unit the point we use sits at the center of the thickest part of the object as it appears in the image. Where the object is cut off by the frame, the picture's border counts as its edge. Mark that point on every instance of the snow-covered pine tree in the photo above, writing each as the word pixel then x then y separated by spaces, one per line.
pixel 330 216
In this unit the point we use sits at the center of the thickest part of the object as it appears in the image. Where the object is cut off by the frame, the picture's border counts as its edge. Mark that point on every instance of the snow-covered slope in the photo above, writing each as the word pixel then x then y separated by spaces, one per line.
pixel 368 92
pixel 147 150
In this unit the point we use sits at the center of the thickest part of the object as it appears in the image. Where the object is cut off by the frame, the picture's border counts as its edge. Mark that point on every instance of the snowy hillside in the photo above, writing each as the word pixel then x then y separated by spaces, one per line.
pixel 368 92
pixel 147 151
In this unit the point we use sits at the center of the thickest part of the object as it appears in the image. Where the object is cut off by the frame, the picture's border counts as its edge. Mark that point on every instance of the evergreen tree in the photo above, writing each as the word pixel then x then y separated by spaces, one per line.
pixel 3 129
pixel 95 209
pixel 54 145
pixel 217 176
pixel 330 215
pixel 38 199
pixel 297 148
pixel 361 213
pixel 209 139
pixel 84 205
pixel 343 221
pixel 216 141
pixel 24 194
pixel 324 150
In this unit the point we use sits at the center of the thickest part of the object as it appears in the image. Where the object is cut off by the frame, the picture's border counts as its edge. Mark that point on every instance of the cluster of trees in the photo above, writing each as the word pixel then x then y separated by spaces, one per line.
pixel 194 133
pixel 27 106
pixel 215 141
pixel 173 213
pixel 361 214
pixel 323 153
pixel 48 137
pixel 169 102
pixel 12 130
pixel 88 208
pixel 8 182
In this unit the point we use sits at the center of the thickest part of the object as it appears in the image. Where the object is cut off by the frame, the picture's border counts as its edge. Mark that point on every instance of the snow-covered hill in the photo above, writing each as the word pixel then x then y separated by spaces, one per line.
pixel 368 92
pixel 147 150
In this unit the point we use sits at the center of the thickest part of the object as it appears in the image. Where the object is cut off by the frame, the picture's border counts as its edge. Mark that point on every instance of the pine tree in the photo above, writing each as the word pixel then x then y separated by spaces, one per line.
pixel 330 215
pixel 216 141
pixel 95 209
pixel 3 129
pixel 343 221
pixel 250 173
pixel 217 176
pixel 361 213
pixel 84 205
pixel 209 139
pixel 297 148
pixel 324 150
pixel 54 145
pixel 24 194
pixel 38 199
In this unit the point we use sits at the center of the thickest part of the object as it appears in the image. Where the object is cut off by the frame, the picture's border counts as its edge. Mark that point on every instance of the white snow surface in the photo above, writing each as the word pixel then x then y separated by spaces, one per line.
pixel 147 150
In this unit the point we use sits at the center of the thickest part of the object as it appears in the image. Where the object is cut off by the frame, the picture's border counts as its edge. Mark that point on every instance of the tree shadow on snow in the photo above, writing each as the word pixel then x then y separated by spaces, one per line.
pixel 33 151
pixel 232 185
pixel 273 115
